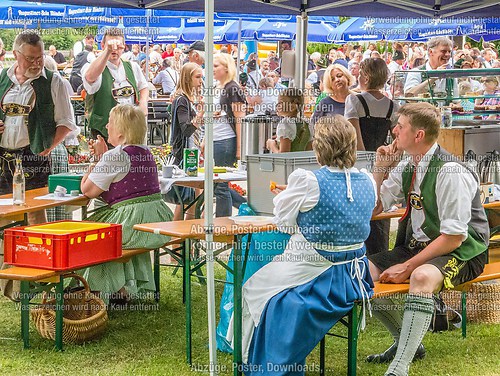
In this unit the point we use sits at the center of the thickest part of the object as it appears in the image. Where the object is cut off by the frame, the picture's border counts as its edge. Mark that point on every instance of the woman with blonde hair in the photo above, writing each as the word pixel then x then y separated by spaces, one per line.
pixel 126 178
pixel 293 301
pixel 229 105
pixel 187 110
pixel 187 119
pixel 336 83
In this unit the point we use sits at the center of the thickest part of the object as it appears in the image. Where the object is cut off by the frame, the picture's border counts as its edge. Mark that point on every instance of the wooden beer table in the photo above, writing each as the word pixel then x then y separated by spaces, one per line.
pixel 225 231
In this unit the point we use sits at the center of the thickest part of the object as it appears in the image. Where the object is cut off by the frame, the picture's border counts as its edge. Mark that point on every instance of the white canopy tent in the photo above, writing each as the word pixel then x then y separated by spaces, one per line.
pixel 300 8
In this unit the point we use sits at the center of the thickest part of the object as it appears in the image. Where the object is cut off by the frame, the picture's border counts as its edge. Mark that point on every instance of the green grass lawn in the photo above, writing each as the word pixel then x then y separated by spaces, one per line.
pixel 151 342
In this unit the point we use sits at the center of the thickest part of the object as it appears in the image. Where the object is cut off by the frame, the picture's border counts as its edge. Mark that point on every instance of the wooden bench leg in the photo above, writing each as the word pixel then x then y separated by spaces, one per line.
pixel 25 313
pixel 352 341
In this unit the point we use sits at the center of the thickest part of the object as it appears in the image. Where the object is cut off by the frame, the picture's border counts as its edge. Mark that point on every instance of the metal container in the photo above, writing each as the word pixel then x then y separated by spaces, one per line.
pixel 264 168
pixel 490 168
pixel 255 131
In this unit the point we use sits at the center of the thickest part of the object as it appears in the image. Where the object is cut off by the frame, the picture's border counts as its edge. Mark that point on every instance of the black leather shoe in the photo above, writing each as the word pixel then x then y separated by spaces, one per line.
pixel 389 354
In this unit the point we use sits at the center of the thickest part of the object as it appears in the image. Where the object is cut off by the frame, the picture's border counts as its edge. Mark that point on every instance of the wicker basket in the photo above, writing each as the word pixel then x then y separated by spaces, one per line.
pixel 84 316
pixel 483 302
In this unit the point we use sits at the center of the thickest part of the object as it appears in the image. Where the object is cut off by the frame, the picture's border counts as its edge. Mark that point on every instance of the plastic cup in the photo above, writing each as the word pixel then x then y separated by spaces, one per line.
pixel 167 171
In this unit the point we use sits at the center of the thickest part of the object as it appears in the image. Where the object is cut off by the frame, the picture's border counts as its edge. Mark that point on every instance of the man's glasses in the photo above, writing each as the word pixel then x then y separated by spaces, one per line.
pixel 31 59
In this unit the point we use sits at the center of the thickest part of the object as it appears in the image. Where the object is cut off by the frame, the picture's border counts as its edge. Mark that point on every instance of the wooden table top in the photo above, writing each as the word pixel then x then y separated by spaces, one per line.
pixel 492 205
pixel 33 205
pixel 195 228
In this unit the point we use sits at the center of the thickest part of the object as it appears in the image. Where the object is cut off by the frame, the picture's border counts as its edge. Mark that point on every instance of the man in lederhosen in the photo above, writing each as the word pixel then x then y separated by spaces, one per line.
pixel 109 81
pixel 442 239
pixel 35 116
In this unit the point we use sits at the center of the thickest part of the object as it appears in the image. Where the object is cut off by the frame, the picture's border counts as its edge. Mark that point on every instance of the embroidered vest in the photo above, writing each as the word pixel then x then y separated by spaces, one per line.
pixel 335 220
pixel 478 228
pixel 100 103
pixel 141 180
pixel 41 124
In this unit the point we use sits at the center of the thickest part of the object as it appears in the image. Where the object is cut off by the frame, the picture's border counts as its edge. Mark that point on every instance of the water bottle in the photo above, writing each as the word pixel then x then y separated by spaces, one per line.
pixel 447 117
pixel 154 94
pixel 18 184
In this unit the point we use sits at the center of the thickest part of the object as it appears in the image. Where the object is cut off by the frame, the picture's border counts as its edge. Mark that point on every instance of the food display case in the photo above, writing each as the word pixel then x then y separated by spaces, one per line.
pixel 474 100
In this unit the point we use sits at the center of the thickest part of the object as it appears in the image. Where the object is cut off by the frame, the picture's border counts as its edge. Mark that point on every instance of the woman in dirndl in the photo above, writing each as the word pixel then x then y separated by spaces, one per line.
pixel 126 178
pixel 292 302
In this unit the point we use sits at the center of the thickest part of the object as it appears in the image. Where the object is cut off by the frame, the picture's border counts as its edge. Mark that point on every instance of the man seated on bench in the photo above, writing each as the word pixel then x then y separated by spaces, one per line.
pixel 442 239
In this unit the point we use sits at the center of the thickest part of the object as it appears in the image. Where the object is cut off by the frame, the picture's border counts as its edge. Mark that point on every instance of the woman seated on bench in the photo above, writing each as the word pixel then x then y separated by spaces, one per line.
pixel 126 178
pixel 292 302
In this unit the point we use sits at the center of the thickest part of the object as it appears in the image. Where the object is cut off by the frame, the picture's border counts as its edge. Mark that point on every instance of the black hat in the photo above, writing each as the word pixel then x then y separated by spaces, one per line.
pixel 252 64
pixel 199 45
pixel 398 55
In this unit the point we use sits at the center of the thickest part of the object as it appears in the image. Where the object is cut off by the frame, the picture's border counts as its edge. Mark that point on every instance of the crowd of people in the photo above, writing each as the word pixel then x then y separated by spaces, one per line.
pixel 337 252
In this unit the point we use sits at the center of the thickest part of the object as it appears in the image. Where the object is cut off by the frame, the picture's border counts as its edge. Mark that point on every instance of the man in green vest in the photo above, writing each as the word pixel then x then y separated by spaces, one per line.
pixel 109 81
pixel 35 116
pixel 442 239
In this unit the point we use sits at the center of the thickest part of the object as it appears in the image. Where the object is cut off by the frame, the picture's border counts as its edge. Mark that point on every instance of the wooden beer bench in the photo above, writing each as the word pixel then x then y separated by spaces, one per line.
pixel 55 278
pixel 490 272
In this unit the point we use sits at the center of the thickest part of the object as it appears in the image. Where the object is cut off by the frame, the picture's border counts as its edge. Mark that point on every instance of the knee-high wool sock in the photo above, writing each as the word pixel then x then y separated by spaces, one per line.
pixel 389 314
pixel 416 319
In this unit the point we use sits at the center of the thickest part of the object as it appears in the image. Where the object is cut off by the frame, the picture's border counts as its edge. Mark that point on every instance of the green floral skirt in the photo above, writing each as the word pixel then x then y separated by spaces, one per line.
pixel 136 275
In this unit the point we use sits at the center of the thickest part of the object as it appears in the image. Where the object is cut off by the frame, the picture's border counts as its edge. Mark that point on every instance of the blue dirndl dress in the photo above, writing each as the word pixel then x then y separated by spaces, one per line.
pixel 293 321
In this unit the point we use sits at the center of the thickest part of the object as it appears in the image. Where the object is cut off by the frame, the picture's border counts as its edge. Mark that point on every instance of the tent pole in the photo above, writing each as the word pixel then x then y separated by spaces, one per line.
pixel 300 51
pixel 209 186
pixel 238 59
pixel 148 12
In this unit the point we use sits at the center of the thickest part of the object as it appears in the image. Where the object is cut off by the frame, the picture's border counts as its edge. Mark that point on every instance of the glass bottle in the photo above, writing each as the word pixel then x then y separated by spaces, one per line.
pixel 18 184
pixel 447 117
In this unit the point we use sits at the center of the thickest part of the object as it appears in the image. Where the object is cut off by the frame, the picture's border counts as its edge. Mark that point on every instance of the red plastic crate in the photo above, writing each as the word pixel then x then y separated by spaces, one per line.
pixel 62 246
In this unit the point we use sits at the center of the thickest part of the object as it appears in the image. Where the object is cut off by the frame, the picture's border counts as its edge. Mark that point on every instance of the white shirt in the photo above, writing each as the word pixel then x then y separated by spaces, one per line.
pixel 78 47
pixel 168 78
pixel 155 58
pixel 312 78
pixel 253 79
pixel 222 128
pixel 15 135
pixel 393 67
pixel 414 78
pixel 287 128
pixel 454 204
pixel 269 100
pixel 367 54
pixel 120 80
